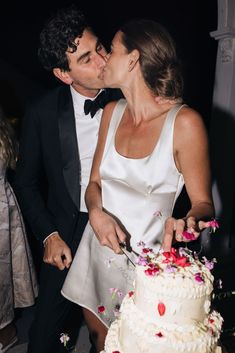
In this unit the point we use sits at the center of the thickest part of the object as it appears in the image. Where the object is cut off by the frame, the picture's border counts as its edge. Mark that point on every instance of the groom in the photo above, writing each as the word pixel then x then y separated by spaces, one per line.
pixel 58 141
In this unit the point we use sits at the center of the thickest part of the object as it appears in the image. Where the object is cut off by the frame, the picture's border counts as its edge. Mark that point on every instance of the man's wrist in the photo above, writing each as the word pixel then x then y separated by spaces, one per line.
pixel 49 236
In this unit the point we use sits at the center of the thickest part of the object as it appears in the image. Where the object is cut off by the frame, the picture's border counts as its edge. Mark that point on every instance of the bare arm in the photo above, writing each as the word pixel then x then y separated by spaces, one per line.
pixel 192 160
pixel 105 227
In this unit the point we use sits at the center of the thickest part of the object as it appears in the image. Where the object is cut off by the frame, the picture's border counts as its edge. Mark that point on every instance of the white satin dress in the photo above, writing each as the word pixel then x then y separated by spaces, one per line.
pixel 141 194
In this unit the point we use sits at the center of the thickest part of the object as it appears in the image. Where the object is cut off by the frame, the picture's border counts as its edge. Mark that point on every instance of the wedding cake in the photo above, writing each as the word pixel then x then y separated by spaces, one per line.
pixel 169 309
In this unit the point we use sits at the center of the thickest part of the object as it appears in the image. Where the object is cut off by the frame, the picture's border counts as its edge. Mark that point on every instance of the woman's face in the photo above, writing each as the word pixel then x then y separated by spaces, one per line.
pixel 117 63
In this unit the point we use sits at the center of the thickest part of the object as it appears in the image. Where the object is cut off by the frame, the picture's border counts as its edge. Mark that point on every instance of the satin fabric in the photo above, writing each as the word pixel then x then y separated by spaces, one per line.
pixel 18 284
pixel 141 194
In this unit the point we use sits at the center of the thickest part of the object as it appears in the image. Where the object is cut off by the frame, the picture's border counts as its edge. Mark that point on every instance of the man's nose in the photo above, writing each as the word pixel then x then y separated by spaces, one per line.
pixel 101 59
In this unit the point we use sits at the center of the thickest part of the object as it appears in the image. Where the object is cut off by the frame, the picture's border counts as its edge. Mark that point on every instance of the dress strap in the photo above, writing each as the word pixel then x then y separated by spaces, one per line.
pixel 168 128
pixel 114 121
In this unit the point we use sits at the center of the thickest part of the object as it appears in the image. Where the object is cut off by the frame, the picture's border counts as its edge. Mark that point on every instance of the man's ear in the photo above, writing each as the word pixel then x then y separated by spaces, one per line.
pixel 62 76
pixel 134 57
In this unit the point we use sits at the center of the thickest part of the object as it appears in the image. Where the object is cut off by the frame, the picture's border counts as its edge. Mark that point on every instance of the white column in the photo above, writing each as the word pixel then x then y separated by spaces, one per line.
pixel 222 129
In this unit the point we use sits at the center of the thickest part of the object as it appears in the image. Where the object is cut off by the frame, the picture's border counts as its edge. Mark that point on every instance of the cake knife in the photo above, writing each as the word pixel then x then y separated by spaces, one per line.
pixel 122 246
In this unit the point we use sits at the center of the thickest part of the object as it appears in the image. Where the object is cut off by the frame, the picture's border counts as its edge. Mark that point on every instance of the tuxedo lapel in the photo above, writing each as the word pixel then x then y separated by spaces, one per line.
pixel 69 146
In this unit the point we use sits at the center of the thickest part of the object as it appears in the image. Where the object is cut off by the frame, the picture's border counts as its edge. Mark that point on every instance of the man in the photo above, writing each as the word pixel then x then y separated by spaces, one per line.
pixel 58 140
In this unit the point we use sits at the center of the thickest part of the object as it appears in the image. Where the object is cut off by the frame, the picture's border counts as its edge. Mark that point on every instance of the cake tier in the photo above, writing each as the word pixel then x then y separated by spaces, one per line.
pixel 133 333
pixel 173 294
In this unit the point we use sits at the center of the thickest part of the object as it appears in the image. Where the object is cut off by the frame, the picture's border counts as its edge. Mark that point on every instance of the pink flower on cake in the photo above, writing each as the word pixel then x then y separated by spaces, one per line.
pixel 174 257
pixel 161 308
pixel 159 334
pixel 142 261
pixel 170 269
pixel 151 271
pixel 101 309
pixel 131 293
pixel 198 277
pixel 115 352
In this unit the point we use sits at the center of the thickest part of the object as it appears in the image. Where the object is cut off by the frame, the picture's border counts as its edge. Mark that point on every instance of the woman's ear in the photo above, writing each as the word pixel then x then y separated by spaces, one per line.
pixel 62 76
pixel 134 58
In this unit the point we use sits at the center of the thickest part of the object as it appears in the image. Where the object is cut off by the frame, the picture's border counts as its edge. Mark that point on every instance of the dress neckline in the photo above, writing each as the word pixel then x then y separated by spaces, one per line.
pixel 156 144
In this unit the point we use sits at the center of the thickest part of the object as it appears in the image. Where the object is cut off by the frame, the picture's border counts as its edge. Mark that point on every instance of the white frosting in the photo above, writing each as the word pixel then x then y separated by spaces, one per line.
pixel 178 291
pixel 169 311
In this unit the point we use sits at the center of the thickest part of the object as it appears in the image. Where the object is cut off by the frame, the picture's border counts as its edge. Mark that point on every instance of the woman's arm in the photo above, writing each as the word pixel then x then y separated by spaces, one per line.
pixel 192 160
pixel 105 227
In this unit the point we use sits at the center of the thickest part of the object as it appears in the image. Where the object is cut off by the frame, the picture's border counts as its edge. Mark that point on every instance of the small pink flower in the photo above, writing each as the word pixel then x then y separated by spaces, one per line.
pixel 151 271
pixel 131 293
pixel 141 243
pixel 158 214
pixel 101 309
pixel 209 264
pixel 159 334
pixel 188 235
pixel 142 261
pixel 64 338
pixel 213 224
pixel 116 291
pixel 170 269
pixel 146 250
pixel 198 277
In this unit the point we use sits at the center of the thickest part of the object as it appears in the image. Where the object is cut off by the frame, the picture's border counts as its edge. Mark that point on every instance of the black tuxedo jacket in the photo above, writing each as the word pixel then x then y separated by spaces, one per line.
pixel 48 146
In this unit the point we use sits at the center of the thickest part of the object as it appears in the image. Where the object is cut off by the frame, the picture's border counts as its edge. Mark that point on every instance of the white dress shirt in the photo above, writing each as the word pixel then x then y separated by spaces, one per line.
pixel 87 135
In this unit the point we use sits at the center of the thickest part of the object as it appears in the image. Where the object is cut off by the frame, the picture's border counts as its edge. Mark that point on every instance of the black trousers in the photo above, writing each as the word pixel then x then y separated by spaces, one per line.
pixel 54 314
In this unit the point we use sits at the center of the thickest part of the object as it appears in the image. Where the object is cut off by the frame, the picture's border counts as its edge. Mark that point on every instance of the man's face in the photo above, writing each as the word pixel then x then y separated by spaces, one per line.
pixel 86 64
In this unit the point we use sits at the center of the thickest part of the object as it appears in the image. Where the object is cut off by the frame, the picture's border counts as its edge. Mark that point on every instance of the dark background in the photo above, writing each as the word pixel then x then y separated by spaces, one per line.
pixel 189 22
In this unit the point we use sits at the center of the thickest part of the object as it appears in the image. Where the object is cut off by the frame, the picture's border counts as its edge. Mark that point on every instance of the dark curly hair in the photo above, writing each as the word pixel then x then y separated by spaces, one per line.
pixel 8 145
pixel 58 36
pixel 158 60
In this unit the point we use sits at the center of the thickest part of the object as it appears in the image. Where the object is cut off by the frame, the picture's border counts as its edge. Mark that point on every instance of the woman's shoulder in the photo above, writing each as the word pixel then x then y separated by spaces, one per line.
pixel 188 117
pixel 110 107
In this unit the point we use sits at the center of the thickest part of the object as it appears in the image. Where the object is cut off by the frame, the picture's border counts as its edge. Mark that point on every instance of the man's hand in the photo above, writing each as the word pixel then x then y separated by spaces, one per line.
pixel 57 253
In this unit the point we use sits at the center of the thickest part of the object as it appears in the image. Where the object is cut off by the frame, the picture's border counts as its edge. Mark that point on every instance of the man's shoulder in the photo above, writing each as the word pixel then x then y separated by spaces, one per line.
pixel 50 96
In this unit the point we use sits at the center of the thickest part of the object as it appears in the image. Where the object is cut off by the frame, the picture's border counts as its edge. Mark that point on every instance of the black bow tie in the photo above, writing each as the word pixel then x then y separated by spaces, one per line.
pixel 92 106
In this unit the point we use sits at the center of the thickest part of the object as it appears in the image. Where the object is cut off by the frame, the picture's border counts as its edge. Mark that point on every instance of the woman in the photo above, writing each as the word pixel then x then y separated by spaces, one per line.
pixel 17 276
pixel 149 145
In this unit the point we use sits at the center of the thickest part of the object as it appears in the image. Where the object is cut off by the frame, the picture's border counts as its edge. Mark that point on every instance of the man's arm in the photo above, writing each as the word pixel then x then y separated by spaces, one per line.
pixel 29 173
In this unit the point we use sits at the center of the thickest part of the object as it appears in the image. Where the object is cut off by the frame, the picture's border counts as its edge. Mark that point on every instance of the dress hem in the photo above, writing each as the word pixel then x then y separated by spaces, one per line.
pixel 84 306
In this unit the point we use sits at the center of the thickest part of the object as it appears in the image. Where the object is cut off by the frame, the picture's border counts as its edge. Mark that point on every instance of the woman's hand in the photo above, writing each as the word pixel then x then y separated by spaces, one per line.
pixel 185 230
pixel 107 230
